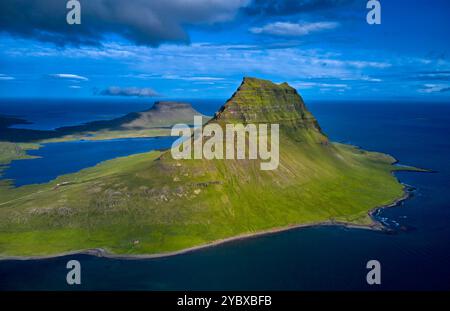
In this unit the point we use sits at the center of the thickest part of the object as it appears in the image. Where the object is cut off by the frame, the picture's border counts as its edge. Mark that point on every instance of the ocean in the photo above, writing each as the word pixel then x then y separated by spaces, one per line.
pixel 414 256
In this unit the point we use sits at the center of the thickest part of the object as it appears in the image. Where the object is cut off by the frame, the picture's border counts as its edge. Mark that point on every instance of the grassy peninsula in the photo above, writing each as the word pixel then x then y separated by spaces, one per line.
pixel 151 204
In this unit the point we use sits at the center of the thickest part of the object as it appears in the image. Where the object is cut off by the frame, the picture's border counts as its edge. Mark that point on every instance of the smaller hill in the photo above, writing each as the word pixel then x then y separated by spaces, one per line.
pixel 152 122
pixel 163 114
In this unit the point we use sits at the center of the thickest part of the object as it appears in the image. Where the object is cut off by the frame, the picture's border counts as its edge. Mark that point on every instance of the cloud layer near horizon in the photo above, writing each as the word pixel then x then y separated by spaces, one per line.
pixel 128 91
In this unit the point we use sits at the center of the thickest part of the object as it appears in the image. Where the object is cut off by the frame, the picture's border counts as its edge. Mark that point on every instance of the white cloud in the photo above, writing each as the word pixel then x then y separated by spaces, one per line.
pixel 308 85
pixel 193 78
pixel 364 64
pixel 293 29
pixel 69 76
pixel 350 63
pixel 434 88
pixel 4 77
pixel 362 78
pixel 369 79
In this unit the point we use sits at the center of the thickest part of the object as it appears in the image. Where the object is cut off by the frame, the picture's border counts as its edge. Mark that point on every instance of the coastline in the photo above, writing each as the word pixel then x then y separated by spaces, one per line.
pixel 376 225
pixel 100 252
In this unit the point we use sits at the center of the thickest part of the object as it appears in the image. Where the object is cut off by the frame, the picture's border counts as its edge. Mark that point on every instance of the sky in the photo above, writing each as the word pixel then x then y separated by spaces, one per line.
pixel 203 48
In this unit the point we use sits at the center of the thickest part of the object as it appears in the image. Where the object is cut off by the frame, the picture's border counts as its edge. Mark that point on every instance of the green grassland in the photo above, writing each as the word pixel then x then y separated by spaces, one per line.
pixel 11 151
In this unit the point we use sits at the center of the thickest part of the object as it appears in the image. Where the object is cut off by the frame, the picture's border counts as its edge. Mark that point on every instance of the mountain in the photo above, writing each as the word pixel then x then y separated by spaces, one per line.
pixel 152 203
pixel 261 101
pixel 161 115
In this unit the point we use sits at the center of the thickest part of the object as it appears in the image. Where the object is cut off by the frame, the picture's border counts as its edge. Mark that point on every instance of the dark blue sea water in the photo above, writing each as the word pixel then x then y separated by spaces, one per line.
pixel 319 258
pixel 57 159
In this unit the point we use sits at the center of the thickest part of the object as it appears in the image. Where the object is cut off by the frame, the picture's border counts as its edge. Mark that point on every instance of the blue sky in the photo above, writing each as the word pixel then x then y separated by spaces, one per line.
pixel 171 49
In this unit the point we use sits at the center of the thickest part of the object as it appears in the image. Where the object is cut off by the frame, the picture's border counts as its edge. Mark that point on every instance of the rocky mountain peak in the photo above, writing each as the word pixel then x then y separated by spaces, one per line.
pixel 262 101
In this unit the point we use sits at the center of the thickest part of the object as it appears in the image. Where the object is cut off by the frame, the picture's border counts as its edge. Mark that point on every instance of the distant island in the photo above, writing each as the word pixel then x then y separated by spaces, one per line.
pixel 152 205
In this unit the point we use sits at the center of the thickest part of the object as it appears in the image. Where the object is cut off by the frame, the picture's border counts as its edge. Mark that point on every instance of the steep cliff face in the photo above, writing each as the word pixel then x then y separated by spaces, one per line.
pixel 262 101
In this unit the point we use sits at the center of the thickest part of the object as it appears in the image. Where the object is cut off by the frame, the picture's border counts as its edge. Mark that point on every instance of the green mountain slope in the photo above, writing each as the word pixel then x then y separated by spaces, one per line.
pixel 150 203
